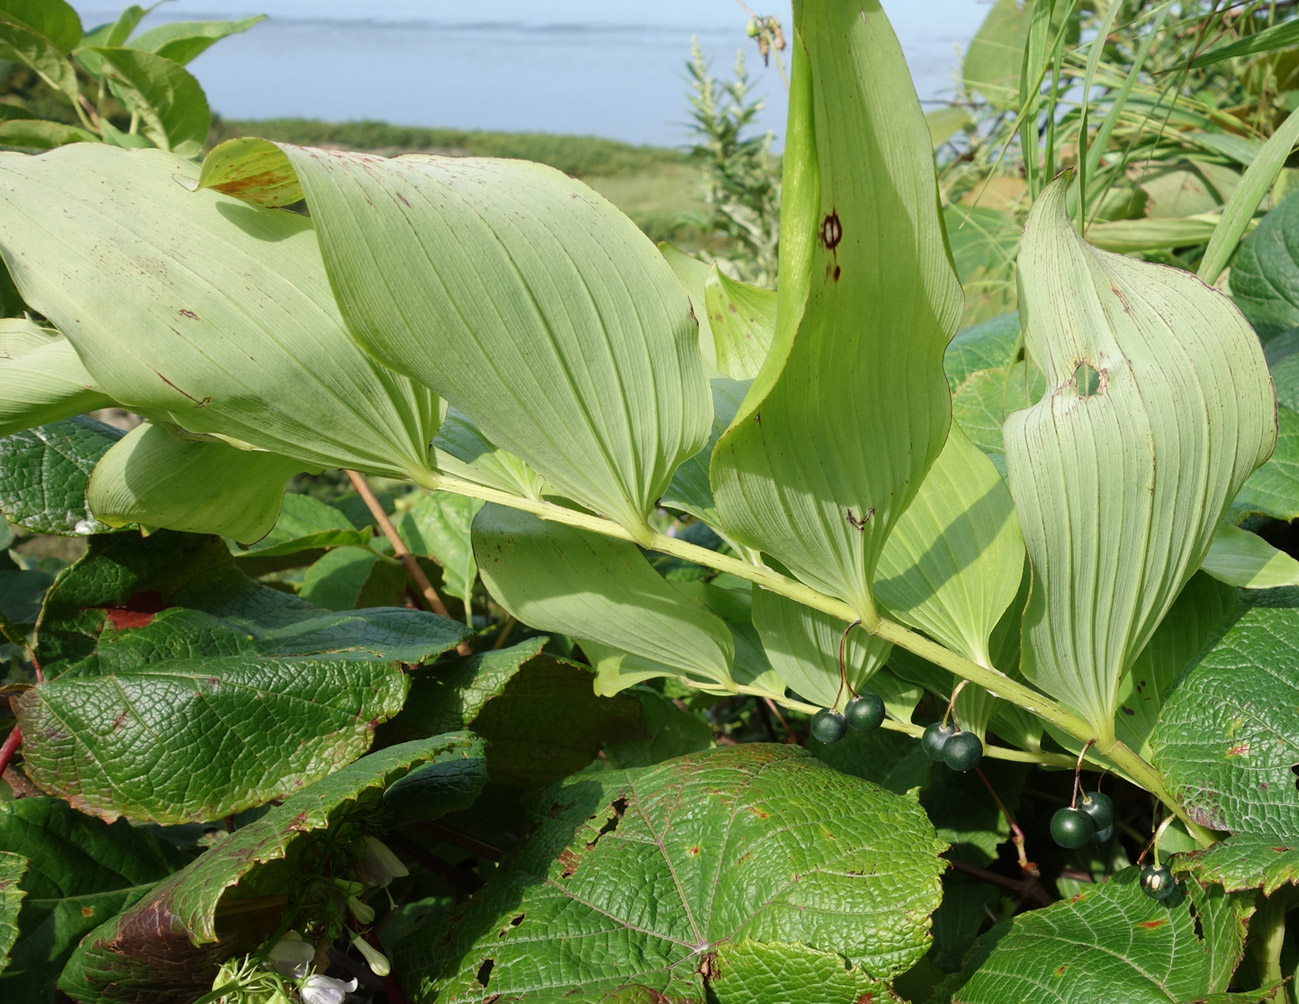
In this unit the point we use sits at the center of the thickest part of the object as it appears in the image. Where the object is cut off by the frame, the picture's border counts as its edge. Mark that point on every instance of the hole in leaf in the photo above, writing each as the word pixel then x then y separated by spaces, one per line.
pixel 1295 771
pixel 1195 920
pixel 516 921
pixel 485 972
pixel 619 806
pixel 1088 380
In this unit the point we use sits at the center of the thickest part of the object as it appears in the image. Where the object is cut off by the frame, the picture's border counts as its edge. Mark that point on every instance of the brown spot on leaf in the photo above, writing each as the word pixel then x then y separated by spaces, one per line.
pixel 1060 970
pixel 1240 749
pixel 570 861
pixel 87 911
pixel 403 201
pixel 1152 924
pixel 188 313
pixel 694 851
pixel 831 231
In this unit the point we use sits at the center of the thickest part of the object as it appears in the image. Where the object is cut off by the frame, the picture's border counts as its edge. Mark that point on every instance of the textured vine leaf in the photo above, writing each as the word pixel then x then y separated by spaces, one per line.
pixel 168 99
pixel 41 378
pixel 347 578
pixel 79 872
pixel 842 422
pixel 1228 742
pixel 1273 489
pixel 166 948
pixel 987 345
pixel 1192 620
pixel 12 868
pixel 445 266
pixel 197 309
pixel 954 562
pixel 125 589
pixel 982 402
pixel 1265 272
pixel 758 970
pixel 983 242
pixel 438 525
pixel 802 645
pixel 1240 558
pixel 560 579
pixel 1159 406
pixel 156 478
pixel 641 877
pixel 44 472
pixel 538 713
pixel 1111 942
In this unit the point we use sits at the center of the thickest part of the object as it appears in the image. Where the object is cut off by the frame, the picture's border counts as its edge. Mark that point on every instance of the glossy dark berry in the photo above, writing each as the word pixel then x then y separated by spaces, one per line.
pixel 865 712
pixel 1157 881
pixel 1071 827
pixel 963 751
pixel 935 738
pixel 828 726
pixel 1098 806
pixel 1103 836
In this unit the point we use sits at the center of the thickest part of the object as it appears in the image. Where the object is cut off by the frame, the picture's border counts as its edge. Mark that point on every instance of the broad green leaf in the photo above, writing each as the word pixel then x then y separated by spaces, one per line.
pixel 170 587
pixel 165 947
pixel 1158 407
pixel 1279 36
pixel 12 868
pixel 1191 621
pixel 55 19
pixel 41 378
pixel 346 578
pixel 42 135
pixel 987 345
pixel 756 843
pixel 750 971
pixel 1127 236
pixel 170 102
pixel 306 528
pixel 839 426
pixel 158 478
pixel 743 320
pixel 115 33
pixel 464 452
pixel 1184 187
pixel 44 471
pixel 508 289
pixel 1244 559
pixel 1283 360
pixel 1273 489
pixel 80 872
pixel 21 593
pixel 1265 272
pixel 670 731
pixel 693 274
pixel 802 645
pixel 1111 942
pixel 956 557
pixel 560 579
pixel 437 525
pixel 182 41
pixel 27 46
pixel 194 308
pixel 1245 861
pixel 1228 739
pixel 731 599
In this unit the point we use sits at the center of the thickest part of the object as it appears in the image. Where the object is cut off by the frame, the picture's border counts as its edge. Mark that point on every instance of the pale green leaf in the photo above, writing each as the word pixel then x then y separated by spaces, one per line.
pixel 996 54
pixel 946 122
pixel 464 452
pixel 166 96
pixel 956 557
pixel 1279 36
pixel 1146 234
pixel 157 477
pixel 690 489
pixel 182 41
pixel 743 320
pixel 508 288
pixel 802 645
pixel 1244 559
pixel 41 378
pixel 560 579
pixel 437 525
pixel 194 308
pixel 1158 407
pixel 693 274
pixel 841 423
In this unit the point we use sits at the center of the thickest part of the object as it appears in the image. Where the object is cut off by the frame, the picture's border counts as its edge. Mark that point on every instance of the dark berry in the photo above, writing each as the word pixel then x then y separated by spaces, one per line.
pixel 1098 806
pixel 828 725
pixel 1157 881
pixel 1103 836
pixel 865 712
pixel 935 738
pixel 1071 827
pixel 963 751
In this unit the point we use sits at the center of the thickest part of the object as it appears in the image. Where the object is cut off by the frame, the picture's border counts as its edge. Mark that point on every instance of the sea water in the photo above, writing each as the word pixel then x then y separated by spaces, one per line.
pixel 613 68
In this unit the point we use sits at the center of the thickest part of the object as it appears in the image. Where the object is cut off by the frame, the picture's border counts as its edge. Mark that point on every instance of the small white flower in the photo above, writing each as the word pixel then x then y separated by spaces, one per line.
pixel 291 956
pixel 377 961
pixel 379 865
pixel 317 989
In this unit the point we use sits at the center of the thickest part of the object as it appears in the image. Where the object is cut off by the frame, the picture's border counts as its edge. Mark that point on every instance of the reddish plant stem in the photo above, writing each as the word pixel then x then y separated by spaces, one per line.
pixel 1025 887
pixel 1017 835
pixel 402 552
pixel 12 741
pixel 775 710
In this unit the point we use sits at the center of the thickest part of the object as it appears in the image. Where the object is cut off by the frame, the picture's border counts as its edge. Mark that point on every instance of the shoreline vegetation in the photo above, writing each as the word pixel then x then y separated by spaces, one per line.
pixel 658 187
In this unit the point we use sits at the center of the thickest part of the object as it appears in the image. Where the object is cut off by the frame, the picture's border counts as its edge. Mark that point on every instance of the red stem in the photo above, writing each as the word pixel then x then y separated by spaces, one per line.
pixel 12 741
